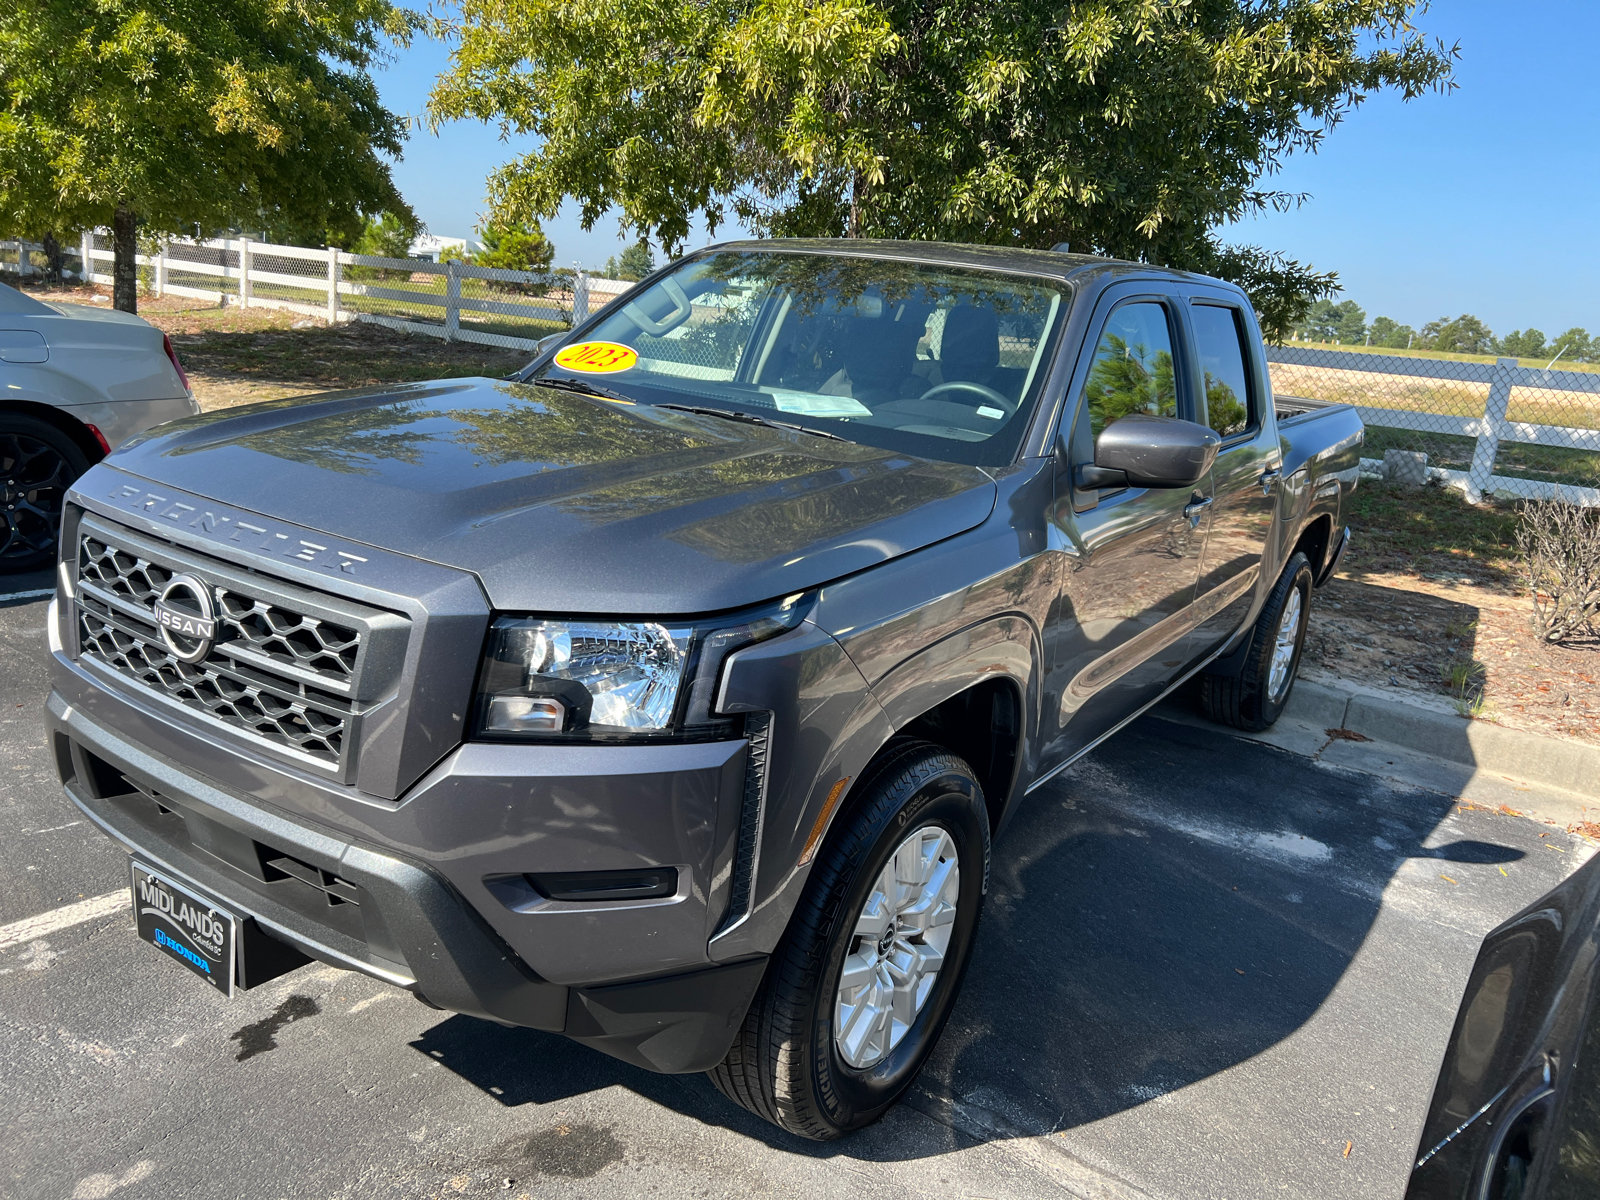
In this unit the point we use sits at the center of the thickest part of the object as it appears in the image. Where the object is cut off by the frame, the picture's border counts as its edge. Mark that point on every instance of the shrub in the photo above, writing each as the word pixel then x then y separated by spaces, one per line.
pixel 1559 545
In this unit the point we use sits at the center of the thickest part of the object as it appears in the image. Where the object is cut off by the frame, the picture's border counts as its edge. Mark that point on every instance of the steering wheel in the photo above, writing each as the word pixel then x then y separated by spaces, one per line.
pixel 962 385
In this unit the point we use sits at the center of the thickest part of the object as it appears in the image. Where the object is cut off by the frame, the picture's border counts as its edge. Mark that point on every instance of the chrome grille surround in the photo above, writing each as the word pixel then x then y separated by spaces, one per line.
pixel 286 668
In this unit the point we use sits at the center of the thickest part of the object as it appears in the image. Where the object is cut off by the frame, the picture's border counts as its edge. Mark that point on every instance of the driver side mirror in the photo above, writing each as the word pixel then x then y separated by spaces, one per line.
pixel 1152 452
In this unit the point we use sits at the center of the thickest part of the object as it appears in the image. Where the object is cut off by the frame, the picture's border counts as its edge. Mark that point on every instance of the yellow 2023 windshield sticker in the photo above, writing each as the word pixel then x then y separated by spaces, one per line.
pixel 597 358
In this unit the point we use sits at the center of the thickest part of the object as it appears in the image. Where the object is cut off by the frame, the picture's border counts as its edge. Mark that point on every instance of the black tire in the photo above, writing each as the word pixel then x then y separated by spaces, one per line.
pixel 785 1065
pixel 1245 698
pixel 38 462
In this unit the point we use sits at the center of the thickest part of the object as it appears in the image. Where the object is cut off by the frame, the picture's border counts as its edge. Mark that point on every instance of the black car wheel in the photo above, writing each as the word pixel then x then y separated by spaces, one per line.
pixel 861 985
pixel 1254 696
pixel 38 463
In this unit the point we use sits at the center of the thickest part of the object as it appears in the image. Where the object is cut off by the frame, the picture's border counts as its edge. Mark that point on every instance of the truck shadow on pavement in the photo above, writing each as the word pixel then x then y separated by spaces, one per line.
pixel 1174 905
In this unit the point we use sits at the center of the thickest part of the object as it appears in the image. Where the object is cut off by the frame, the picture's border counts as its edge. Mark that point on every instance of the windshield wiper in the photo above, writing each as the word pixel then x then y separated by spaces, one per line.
pixel 583 387
pixel 750 419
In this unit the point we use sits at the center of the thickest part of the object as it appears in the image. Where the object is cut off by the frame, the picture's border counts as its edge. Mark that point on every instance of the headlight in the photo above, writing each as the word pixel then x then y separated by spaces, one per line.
pixel 546 678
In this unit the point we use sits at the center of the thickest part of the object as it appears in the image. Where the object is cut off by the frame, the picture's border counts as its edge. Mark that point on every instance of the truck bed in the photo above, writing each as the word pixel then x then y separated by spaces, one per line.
pixel 1324 429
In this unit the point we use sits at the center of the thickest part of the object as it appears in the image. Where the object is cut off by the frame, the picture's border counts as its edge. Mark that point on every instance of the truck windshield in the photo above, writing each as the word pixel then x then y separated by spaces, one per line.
pixel 935 361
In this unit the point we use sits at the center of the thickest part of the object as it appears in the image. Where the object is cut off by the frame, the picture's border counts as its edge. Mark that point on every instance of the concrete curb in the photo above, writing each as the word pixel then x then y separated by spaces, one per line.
pixel 1435 729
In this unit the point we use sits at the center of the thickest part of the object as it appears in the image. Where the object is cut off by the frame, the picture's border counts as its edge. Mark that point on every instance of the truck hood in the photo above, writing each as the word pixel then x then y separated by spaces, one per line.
pixel 565 504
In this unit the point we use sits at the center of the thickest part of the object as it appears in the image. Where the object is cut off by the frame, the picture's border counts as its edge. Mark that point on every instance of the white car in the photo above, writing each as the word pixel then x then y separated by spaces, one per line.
pixel 75 382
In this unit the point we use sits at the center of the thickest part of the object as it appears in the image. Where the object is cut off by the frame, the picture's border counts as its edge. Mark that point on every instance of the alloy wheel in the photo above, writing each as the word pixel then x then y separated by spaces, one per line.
pixel 897 947
pixel 1283 647
pixel 33 486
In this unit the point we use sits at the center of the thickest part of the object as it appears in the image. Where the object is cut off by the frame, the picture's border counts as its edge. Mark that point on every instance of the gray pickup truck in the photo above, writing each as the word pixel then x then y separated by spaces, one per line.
pixel 671 693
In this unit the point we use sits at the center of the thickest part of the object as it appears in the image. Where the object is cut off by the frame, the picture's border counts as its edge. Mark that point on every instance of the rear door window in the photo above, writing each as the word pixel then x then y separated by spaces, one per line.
pixel 1231 408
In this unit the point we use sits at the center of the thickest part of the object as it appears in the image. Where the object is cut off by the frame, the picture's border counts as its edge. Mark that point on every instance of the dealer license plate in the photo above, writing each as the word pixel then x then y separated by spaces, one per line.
pixel 185 926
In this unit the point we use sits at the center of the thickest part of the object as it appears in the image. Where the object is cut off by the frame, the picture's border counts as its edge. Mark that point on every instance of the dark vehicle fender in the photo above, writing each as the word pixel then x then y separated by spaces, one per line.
pixel 826 725
pixel 840 725
pixel 1005 648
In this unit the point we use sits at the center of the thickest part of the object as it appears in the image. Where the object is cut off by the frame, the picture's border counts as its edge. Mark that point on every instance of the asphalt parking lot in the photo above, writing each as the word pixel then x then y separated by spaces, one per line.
pixel 1207 969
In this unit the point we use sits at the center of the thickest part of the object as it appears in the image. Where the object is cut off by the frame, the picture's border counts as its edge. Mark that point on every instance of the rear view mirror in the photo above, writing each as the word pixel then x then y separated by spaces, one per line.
pixel 1153 452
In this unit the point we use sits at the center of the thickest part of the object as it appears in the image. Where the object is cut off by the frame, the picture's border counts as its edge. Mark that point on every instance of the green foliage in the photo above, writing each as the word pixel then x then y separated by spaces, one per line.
pixel 1464 335
pixel 1128 379
pixel 1386 332
pixel 1133 128
pixel 256 114
pixel 516 247
pixel 1225 412
pixel 1326 321
pixel 454 254
pixel 1575 345
pixel 387 235
pixel 1518 344
pixel 635 263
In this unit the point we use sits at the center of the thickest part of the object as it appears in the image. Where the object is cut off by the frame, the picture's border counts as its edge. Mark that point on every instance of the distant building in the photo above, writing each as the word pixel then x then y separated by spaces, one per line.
pixel 430 247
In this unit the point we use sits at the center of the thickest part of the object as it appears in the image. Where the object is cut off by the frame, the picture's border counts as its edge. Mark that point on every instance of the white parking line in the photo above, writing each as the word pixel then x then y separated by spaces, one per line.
pixel 29 928
pixel 36 594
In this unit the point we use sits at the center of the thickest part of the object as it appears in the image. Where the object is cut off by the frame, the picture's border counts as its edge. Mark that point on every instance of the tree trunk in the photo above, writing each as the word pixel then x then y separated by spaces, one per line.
pixel 125 267
pixel 858 186
pixel 52 260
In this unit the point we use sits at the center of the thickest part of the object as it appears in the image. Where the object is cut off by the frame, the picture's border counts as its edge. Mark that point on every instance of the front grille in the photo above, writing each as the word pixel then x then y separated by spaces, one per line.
pixel 282 668
pixel 289 637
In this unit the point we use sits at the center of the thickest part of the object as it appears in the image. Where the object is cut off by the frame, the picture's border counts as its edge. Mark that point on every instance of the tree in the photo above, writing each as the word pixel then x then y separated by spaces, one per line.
pixel 1126 127
pixel 1352 327
pixel 1326 321
pixel 1464 335
pixel 1128 379
pixel 1319 323
pixel 1518 344
pixel 1388 333
pixel 636 262
pixel 386 235
pixel 516 247
pixel 1574 346
pixel 162 117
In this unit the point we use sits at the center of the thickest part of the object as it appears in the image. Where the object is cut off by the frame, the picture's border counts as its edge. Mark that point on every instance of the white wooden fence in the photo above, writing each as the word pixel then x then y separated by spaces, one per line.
pixel 454 300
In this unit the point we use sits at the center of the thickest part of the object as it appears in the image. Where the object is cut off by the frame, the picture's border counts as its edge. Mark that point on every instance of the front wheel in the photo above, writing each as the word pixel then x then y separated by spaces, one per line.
pixel 1254 696
pixel 860 987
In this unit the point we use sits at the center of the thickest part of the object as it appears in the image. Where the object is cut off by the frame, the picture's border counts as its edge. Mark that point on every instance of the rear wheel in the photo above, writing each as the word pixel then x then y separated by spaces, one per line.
pixel 860 987
pixel 38 462
pixel 1254 696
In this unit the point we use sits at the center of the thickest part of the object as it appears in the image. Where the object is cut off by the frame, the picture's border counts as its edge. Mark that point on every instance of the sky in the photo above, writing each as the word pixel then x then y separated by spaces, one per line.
pixel 1485 200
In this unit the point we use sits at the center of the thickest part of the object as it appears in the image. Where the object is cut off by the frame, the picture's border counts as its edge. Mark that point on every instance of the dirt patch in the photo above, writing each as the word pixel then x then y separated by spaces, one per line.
pixel 1427 600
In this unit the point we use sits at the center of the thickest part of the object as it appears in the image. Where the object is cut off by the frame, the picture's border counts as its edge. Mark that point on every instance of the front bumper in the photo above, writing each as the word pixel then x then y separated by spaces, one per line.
pixel 398 890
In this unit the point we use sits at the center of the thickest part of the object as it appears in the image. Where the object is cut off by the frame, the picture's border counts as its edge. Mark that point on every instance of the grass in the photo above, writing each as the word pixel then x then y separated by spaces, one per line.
pixel 1432 530
pixel 1461 674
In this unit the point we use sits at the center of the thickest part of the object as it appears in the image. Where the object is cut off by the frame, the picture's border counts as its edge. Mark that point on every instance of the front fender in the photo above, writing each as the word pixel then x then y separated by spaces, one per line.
pixel 826 725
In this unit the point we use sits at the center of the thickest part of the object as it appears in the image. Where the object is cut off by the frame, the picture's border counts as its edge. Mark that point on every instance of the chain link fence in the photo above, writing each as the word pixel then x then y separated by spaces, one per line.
pixel 1490 428
pixel 452 300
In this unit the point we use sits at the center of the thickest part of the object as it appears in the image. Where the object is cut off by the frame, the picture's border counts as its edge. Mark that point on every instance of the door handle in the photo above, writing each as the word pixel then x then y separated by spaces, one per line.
pixel 1195 509
pixel 1269 477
